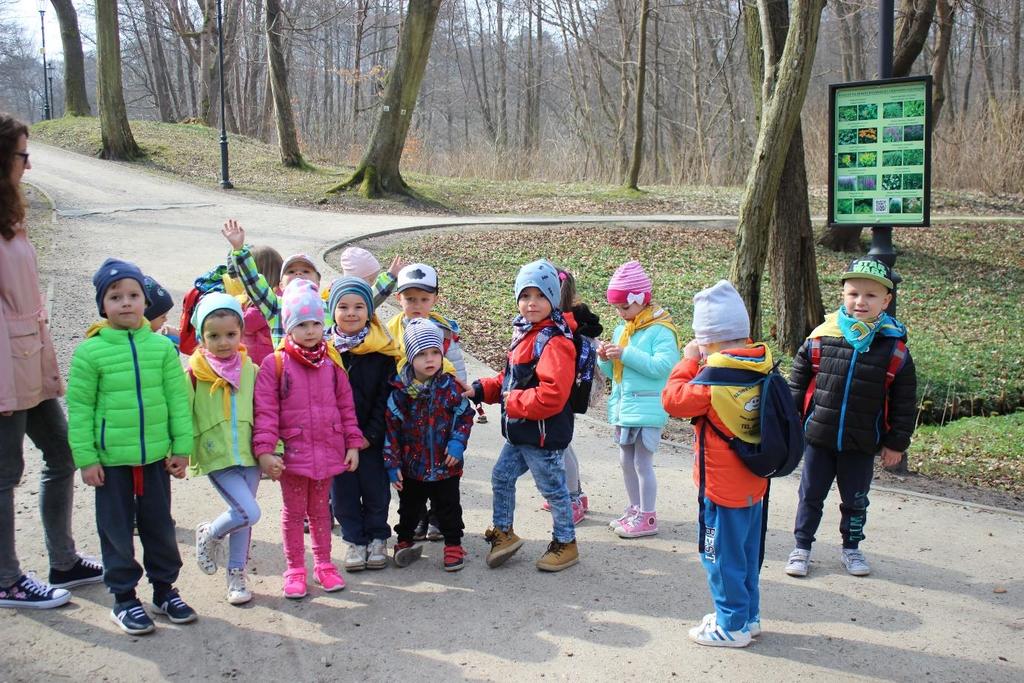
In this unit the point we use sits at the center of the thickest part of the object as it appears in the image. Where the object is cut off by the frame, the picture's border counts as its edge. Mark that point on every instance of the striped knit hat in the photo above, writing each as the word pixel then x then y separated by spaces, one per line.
pixel 421 334
pixel 629 285
pixel 350 284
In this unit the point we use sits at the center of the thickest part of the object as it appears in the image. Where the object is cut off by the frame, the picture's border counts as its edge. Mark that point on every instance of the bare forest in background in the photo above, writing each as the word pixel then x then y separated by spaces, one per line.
pixel 541 89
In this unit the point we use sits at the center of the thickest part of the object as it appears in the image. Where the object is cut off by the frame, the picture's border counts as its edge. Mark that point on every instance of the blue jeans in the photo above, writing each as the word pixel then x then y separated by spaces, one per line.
pixel 237 486
pixel 548 471
pixel 731 559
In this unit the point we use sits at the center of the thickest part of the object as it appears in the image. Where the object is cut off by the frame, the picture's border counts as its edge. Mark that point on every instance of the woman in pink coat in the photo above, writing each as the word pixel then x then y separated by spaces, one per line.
pixel 303 398
pixel 30 383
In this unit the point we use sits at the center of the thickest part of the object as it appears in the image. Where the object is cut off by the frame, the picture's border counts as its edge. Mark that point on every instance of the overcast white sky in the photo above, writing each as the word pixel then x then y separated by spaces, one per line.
pixel 26 12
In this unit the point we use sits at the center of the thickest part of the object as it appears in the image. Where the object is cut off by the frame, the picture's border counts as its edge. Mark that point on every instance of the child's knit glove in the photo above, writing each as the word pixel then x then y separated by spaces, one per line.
pixel 456 449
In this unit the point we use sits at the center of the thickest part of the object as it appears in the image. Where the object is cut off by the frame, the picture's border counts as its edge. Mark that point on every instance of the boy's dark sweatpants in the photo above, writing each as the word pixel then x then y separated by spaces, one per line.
pixel 361 500
pixel 117 509
pixel 445 504
pixel 853 473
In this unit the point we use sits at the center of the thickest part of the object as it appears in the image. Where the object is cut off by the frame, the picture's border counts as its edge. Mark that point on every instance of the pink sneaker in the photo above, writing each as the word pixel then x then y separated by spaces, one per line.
pixel 627 512
pixel 545 506
pixel 640 524
pixel 295 584
pixel 328 577
pixel 578 512
pixel 586 503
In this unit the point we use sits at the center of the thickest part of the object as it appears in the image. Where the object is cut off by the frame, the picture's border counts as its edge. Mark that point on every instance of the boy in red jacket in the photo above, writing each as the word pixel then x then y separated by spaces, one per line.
pixel 536 418
pixel 731 501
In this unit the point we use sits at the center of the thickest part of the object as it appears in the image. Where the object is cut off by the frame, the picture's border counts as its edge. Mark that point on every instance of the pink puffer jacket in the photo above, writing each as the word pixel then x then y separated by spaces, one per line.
pixel 311 410
pixel 256 335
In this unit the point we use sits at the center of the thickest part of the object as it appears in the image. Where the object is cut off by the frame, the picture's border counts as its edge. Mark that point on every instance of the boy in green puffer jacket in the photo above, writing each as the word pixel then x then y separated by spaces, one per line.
pixel 128 410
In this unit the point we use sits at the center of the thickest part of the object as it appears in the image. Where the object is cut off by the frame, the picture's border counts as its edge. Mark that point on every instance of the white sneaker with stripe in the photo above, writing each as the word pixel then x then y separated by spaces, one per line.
pixel 711 634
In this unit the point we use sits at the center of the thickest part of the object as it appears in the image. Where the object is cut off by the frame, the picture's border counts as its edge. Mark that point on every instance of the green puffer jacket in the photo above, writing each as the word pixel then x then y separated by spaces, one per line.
pixel 222 441
pixel 127 399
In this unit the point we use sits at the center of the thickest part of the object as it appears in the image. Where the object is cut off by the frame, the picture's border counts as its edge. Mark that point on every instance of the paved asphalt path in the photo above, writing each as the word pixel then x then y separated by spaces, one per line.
pixel 945 601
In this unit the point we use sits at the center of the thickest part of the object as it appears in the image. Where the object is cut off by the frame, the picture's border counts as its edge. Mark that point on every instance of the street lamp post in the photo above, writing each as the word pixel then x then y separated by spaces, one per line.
pixel 224 182
pixel 46 74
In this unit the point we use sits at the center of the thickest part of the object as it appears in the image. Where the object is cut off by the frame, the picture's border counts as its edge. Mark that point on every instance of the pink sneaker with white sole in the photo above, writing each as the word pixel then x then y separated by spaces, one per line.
pixel 627 512
pixel 640 524
pixel 578 512
pixel 327 576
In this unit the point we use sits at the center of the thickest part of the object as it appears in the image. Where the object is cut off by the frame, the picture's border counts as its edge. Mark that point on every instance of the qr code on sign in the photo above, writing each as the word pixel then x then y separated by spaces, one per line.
pixel 882 205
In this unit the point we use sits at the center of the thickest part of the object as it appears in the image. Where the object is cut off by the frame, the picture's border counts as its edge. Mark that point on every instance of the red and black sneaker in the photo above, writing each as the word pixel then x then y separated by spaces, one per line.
pixel 454 558
pixel 407 552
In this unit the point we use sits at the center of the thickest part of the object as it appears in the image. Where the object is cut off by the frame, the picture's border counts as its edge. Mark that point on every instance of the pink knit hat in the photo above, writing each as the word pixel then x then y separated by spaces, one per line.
pixel 629 285
pixel 358 262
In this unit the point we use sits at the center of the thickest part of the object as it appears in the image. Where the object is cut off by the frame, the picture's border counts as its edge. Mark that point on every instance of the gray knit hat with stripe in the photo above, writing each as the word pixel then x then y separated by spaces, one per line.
pixel 421 334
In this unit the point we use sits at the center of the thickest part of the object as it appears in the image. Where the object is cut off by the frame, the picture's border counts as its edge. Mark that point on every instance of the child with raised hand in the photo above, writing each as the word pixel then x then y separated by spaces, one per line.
pixel 304 398
pixel 358 262
pixel 428 424
pixel 129 428
pixel 732 502
pixel 856 383
pixel 644 347
pixel 588 326
pixel 361 498
pixel 223 380
pixel 537 419
pixel 256 331
pixel 261 294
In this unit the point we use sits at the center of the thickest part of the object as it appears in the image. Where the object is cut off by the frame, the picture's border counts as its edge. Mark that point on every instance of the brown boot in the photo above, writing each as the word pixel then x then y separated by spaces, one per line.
pixel 559 556
pixel 504 545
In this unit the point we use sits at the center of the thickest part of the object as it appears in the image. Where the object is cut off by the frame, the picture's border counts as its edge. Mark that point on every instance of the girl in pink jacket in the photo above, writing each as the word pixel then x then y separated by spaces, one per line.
pixel 303 398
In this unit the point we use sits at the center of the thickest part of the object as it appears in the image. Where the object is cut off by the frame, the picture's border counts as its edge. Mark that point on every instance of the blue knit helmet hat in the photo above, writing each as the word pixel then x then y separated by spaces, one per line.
pixel 114 270
pixel 542 275
pixel 215 301
pixel 350 285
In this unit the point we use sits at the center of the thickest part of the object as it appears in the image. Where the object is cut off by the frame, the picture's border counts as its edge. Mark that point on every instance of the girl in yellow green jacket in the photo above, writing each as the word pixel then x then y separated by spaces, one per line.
pixel 222 383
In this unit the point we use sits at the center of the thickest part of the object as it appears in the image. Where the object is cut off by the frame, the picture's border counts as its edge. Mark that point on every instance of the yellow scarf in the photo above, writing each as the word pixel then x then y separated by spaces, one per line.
pixel 648 317
pixel 378 341
pixel 202 371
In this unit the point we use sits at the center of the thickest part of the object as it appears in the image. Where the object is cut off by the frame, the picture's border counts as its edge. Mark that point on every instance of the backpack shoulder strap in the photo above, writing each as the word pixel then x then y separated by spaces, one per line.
pixel 814 351
pixel 897 359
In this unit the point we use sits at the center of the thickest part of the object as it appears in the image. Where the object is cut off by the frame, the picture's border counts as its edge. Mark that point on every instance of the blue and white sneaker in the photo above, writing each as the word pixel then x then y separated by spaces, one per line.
pixel 132 618
pixel 711 634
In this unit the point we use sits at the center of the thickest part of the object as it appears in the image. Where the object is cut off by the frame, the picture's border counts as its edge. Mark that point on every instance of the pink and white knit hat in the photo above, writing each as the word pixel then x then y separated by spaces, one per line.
pixel 301 303
pixel 358 262
pixel 630 285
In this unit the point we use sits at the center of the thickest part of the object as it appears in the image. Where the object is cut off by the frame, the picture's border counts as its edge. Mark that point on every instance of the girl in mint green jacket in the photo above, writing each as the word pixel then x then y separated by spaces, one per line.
pixel 223 379
pixel 639 359
pixel 129 428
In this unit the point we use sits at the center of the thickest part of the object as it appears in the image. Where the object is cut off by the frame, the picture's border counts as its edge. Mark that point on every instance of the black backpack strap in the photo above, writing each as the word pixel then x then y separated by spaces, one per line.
pixel 764 523
pixel 702 528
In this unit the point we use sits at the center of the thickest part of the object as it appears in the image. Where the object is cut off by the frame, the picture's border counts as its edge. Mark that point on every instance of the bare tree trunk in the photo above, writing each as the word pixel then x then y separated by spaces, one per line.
pixel 287 139
pixel 379 172
pixel 1015 49
pixel 781 113
pixel 502 76
pixel 985 52
pixel 970 67
pixel 161 74
pixel 911 33
pixel 76 100
pixel 940 60
pixel 641 82
pixel 793 270
pixel 118 142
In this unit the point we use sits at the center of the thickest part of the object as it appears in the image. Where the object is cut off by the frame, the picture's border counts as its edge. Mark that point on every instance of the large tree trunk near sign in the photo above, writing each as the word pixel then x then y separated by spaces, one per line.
pixel 287 139
pixel 792 261
pixel 76 101
pixel 783 89
pixel 118 142
pixel 378 173
pixel 914 21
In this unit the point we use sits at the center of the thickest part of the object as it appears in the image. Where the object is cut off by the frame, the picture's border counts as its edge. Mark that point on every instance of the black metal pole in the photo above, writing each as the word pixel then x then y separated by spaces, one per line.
pixel 881 235
pixel 224 182
pixel 46 75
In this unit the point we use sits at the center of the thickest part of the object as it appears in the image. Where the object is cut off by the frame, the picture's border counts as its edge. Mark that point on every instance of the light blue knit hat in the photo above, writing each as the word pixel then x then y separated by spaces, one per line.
pixel 542 275
pixel 215 301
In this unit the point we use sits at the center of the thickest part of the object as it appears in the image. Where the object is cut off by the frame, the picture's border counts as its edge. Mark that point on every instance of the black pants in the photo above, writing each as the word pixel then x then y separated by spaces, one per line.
pixel 360 500
pixel 853 473
pixel 117 507
pixel 445 504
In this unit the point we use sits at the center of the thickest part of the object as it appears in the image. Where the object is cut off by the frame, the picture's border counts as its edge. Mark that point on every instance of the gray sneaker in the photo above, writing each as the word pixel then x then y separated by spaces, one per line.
pixel 855 562
pixel 238 589
pixel 377 554
pixel 798 561
pixel 355 558
pixel 206 549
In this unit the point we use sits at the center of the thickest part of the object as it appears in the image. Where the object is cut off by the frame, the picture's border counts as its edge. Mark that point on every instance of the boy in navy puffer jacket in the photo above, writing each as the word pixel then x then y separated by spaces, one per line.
pixel 428 423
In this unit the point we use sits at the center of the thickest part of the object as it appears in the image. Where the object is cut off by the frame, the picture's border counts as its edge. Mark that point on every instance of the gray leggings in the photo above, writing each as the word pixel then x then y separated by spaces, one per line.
pixel 46 426
pixel 237 486
pixel 572 473
pixel 638 474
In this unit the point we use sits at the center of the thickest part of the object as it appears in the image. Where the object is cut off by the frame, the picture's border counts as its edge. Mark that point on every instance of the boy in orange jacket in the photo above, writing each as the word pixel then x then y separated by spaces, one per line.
pixel 730 495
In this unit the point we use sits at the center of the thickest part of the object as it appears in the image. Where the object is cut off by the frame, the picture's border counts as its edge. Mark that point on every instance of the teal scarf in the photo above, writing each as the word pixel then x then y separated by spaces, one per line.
pixel 860 333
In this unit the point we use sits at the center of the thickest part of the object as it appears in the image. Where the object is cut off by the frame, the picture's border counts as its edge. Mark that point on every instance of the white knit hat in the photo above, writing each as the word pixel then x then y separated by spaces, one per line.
pixel 719 314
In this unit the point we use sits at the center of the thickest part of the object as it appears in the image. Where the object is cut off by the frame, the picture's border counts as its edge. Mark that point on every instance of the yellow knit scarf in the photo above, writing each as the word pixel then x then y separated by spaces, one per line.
pixel 648 317
pixel 203 372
